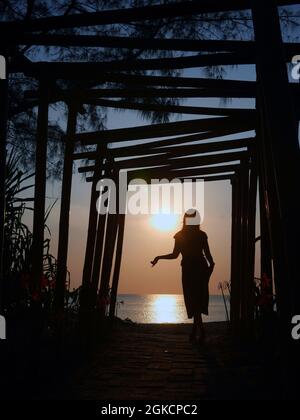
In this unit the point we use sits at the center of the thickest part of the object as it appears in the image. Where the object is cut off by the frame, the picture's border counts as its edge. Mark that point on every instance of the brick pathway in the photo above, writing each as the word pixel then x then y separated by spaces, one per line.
pixel 158 362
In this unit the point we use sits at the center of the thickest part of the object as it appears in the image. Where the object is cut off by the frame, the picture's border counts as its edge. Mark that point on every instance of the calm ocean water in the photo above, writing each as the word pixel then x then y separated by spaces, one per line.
pixel 156 309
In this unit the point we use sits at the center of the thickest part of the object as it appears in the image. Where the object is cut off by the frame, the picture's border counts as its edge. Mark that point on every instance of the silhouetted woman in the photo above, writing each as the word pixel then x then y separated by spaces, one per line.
pixel 192 243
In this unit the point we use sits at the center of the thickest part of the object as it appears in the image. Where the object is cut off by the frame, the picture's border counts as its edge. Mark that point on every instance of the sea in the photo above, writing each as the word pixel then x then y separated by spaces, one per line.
pixel 157 309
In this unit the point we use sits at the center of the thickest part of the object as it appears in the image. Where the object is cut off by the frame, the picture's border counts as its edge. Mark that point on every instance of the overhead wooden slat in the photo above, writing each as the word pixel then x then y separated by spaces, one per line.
pixel 229 87
pixel 90 70
pixel 86 96
pixel 177 151
pixel 178 163
pixel 188 45
pixel 139 149
pixel 176 158
pixel 129 42
pixel 180 150
pixel 171 174
pixel 108 17
pixel 168 81
pixel 174 109
pixel 173 163
pixel 214 178
pixel 163 130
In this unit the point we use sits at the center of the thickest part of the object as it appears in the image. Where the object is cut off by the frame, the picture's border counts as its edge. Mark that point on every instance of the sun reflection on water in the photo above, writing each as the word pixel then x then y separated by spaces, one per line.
pixel 165 308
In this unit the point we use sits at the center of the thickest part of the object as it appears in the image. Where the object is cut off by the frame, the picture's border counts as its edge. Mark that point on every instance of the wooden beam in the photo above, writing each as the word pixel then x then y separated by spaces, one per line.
pixel 108 253
pixel 173 44
pixel 283 154
pixel 180 150
pixel 180 162
pixel 168 109
pixel 234 286
pixel 90 70
pixel 40 188
pixel 168 178
pixel 129 15
pixel 175 163
pixel 282 161
pixel 130 42
pixel 160 173
pixel 98 254
pixel 164 130
pixel 85 296
pixel 167 81
pixel 117 267
pixel 89 95
pixel 64 219
pixel 3 133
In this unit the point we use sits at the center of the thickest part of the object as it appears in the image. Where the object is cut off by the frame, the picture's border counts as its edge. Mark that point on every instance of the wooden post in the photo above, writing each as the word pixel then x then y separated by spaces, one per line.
pixel 100 235
pixel 244 244
pixel 234 302
pixel 109 248
pixel 40 187
pixel 265 240
pixel 116 275
pixel 283 157
pixel 91 236
pixel 85 310
pixel 251 246
pixel 64 219
pixel 3 129
pixel 282 160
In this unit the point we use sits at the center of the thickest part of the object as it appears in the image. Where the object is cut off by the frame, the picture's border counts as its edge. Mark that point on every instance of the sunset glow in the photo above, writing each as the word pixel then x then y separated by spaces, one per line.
pixel 165 222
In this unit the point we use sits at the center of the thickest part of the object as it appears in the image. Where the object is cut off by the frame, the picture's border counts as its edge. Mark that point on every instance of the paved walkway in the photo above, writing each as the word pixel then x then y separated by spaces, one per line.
pixel 158 362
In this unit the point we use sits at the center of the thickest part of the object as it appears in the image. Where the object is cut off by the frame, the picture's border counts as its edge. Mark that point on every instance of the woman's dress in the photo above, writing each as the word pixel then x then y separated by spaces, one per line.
pixel 195 270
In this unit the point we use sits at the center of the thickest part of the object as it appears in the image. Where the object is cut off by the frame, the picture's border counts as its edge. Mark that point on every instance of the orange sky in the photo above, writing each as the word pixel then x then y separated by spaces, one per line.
pixel 143 242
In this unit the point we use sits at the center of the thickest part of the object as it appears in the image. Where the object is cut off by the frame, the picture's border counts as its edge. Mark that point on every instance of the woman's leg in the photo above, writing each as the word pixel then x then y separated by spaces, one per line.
pixel 193 334
pixel 199 326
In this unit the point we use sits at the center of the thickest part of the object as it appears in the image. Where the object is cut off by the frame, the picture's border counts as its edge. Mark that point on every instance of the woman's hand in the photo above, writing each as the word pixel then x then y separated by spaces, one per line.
pixel 155 261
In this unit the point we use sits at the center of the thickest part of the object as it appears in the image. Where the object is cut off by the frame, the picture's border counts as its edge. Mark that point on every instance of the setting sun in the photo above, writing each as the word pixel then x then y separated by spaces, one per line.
pixel 164 221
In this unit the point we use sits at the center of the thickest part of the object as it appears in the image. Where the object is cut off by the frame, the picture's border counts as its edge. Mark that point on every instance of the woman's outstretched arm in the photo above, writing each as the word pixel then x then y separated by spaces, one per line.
pixel 173 256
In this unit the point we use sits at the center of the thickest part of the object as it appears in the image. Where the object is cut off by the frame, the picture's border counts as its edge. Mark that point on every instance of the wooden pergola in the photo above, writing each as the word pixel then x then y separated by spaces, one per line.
pixel 268 159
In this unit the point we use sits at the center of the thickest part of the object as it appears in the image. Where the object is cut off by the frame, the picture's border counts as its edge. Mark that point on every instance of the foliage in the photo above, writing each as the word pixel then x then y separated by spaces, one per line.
pixel 18 243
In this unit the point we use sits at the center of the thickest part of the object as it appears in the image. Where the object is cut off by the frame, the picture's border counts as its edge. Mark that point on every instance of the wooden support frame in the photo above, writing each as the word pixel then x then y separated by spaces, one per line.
pixel 91 240
pixel 3 132
pixel 283 156
pixel 80 71
pixel 282 162
pixel 189 45
pixel 98 254
pixel 162 173
pixel 165 162
pixel 235 286
pixel 185 150
pixel 117 266
pixel 64 220
pixel 94 96
pixel 174 109
pixel 40 187
pixel 108 17
pixel 108 253
pixel 168 129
